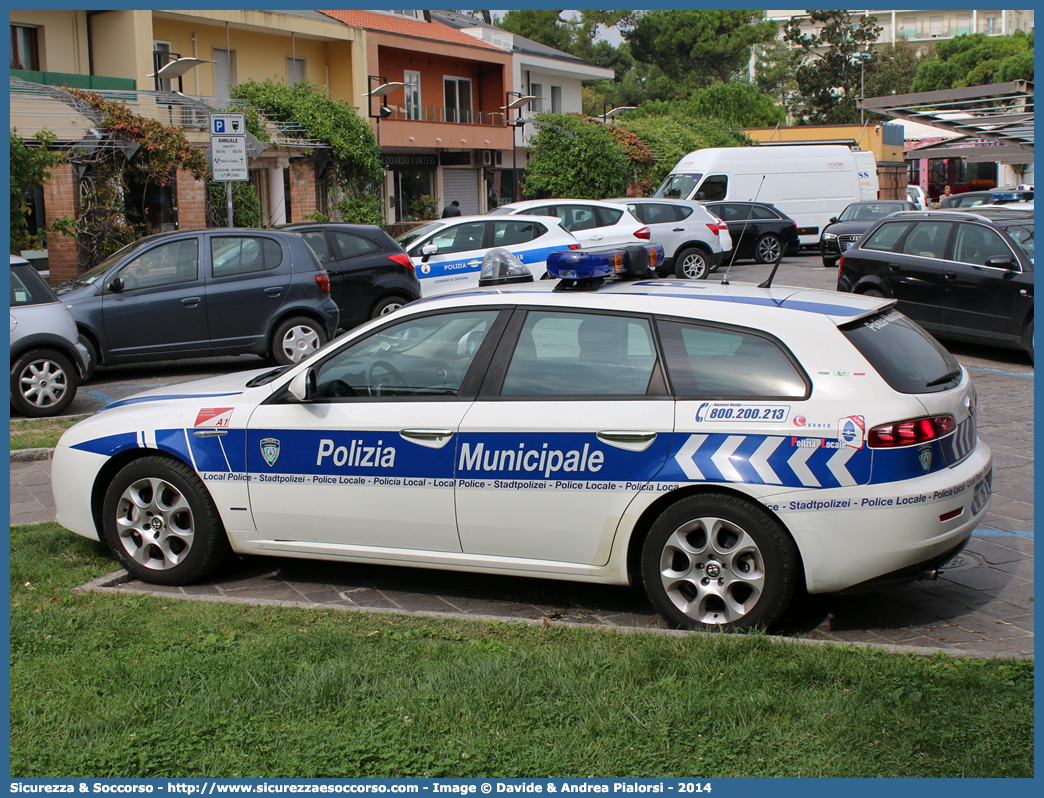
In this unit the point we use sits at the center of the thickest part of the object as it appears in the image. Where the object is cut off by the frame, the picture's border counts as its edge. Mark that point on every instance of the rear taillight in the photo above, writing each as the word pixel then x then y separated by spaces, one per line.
pixel 324 282
pixel 402 259
pixel 714 228
pixel 642 233
pixel 908 433
pixel 840 266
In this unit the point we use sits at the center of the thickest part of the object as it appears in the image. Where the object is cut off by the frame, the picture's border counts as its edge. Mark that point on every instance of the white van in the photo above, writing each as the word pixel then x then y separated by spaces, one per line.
pixel 809 183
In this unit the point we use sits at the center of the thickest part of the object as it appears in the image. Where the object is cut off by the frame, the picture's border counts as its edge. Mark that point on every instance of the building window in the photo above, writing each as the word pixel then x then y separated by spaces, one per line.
pixel 556 99
pixel 224 72
pixel 295 71
pixel 413 95
pixel 458 99
pixel 160 61
pixel 537 90
pixel 24 50
pixel 991 24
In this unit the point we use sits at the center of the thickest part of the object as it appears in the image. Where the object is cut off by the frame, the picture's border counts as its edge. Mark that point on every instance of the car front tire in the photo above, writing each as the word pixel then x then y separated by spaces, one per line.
pixel 43 383
pixel 719 562
pixel 295 339
pixel 389 304
pixel 691 264
pixel 768 248
pixel 829 263
pixel 161 523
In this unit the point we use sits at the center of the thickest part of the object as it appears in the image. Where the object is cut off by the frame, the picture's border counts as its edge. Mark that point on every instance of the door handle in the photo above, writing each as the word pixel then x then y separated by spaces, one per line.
pixel 633 440
pixel 431 438
pixel 949 275
pixel 893 267
pixel 191 301
pixel 678 230
pixel 274 291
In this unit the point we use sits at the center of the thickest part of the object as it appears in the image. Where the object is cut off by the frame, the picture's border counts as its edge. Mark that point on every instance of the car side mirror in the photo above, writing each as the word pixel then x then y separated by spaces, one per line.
pixel 117 285
pixel 833 220
pixel 428 250
pixel 1002 262
pixel 303 386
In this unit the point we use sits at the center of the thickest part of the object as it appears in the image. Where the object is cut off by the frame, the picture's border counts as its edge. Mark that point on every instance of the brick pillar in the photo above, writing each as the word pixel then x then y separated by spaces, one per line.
pixel 302 190
pixel 192 202
pixel 61 197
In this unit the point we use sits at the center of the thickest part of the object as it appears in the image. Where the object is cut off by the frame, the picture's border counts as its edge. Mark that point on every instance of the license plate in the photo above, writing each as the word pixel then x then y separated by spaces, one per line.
pixel 982 494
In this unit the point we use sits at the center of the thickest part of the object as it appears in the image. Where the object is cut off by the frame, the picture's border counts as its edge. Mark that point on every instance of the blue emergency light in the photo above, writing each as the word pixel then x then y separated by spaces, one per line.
pixel 586 269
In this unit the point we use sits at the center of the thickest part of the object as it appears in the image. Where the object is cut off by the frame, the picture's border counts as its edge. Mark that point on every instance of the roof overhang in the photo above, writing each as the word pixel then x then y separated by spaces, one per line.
pixel 1001 113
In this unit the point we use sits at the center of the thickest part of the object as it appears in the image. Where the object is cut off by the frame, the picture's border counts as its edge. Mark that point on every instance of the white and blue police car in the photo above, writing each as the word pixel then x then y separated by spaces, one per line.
pixel 721 444
pixel 447 254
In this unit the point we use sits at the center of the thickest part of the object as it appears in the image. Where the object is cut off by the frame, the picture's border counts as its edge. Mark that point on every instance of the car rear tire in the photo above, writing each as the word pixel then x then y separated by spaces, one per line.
pixel 691 264
pixel 719 562
pixel 768 248
pixel 872 292
pixel 161 523
pixel 295 339
pixel 43 383
pixel 387 305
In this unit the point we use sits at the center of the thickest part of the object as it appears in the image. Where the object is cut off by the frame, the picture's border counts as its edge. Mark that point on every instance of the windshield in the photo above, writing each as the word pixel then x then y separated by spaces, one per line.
pixel 1022 235
pixel 678 186
pixel 407 238
pixel 867 213
pixel 88 278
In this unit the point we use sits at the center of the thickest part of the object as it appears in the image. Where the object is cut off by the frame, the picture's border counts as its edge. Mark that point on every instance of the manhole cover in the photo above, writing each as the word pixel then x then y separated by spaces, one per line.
pixel 963 560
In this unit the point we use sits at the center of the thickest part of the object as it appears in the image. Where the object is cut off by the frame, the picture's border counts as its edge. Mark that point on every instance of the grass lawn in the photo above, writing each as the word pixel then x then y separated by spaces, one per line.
pixel 33 433
pixel 134 686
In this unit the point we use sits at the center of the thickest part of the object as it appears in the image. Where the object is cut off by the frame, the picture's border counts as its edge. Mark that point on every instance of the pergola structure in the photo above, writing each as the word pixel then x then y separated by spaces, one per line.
pixel 995 122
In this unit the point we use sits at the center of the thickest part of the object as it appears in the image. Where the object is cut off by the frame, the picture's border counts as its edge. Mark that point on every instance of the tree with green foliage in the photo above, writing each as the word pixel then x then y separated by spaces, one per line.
pixel 893 69
pixel 697 48
pixel 246 205
pixel 740 104
pixel 977 59
pixel 540 25
pixel 670 134
pixel 30 165
pixel 576 35
pixel 569 157
pixel 774 68
pixel 829 80
pixel 357 162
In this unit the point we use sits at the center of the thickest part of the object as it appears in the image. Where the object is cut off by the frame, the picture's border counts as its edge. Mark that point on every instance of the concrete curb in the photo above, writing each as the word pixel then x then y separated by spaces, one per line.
pixel 26 455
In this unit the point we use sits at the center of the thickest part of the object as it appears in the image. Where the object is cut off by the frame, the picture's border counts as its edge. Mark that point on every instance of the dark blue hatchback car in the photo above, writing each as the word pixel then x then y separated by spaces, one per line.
pixel 203 293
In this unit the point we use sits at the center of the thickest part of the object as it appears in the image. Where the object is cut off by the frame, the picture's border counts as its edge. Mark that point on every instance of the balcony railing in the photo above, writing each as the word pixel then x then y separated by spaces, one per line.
pixel 946 31
pixel 438 113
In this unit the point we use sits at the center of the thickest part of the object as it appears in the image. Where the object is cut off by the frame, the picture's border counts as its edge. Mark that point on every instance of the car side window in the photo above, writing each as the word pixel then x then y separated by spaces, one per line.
pixel 577 217
pixel 581 354
pixel 655 213
pixel 706 362
pixel 714 188
pixel 683 212
pixel 885 237
pixel 168 264
pixel 509 233
pixel 460 238
pixel 232 255
pixel 927 240
pixel 608 216
pixel 736 213
pixel 975 242
pixel 317 241
pixel 425 356
pixel 349 246
pixel 759 212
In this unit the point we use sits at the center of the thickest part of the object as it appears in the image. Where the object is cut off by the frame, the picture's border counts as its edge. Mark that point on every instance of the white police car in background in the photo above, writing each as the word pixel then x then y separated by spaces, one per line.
pixel 447 254
pixel 720 444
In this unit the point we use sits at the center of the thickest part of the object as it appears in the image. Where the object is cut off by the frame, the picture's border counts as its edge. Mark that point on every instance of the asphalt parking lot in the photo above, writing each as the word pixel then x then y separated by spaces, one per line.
pixel 981 605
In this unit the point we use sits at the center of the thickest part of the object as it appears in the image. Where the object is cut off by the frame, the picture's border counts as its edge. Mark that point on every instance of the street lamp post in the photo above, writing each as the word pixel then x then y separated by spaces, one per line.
pixel 383 89
pixel 520 100
pixel 862 61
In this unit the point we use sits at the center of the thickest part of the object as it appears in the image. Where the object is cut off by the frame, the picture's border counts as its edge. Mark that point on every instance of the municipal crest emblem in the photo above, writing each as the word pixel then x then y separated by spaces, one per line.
pixel 925 455
pixel 270 450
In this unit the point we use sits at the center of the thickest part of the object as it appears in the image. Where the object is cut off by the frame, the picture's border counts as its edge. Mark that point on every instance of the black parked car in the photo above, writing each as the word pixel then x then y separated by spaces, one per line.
pixel 203 293
pixel 995 196
pixel 758 230
pixel 961 274
pixel 855 220
pixel 370 274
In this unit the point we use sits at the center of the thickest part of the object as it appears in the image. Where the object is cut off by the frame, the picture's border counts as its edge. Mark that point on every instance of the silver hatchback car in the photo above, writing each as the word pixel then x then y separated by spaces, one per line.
pixel 692 237
pixel 47 359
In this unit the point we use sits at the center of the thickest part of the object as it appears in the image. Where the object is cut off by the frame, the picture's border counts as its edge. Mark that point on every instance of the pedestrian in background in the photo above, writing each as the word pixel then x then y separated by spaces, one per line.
pixel 453 209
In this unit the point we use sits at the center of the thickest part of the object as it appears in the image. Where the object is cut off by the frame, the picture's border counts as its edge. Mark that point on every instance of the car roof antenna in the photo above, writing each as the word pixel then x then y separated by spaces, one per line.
pixel 735 246
pixel 768 280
